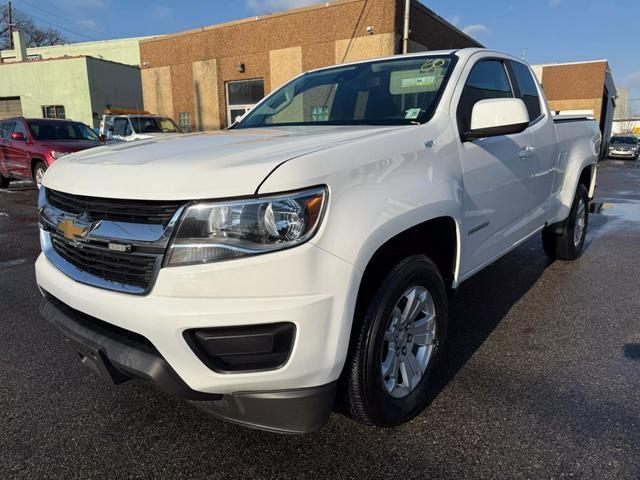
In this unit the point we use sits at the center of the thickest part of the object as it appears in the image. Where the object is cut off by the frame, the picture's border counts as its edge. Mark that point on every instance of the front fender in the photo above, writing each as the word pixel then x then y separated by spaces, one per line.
pixel 379 187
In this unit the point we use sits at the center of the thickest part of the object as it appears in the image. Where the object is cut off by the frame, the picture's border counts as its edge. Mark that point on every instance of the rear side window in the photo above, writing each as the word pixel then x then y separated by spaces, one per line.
pixel 527 90
pixel 487 79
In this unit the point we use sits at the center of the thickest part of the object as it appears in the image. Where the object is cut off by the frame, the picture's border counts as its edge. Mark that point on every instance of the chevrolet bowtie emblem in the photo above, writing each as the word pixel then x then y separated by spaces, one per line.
pixel 70 230
pixel 77 228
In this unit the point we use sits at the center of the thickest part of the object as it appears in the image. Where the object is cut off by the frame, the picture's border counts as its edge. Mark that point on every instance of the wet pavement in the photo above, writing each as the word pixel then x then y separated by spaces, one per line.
pixel 541 380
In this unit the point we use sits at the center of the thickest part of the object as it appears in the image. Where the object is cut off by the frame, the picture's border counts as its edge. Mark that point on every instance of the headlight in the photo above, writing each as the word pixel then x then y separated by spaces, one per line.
pixel 57 155
pixel 211 232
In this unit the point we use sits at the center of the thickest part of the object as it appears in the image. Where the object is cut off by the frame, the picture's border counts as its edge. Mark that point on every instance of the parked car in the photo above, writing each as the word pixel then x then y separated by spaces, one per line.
pixel 624 147
pixel 126 128
pixel 28 146
pixel 301 261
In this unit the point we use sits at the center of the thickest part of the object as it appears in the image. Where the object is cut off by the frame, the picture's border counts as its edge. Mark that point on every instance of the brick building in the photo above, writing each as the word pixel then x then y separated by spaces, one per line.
pixel 580 87
pixel 204 78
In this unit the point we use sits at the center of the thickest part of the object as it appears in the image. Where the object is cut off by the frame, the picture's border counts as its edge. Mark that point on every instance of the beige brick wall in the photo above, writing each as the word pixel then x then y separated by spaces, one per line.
pixel 157 91
pixel 284 63
pixel 363 48
pixel 594 104
pixel 206 98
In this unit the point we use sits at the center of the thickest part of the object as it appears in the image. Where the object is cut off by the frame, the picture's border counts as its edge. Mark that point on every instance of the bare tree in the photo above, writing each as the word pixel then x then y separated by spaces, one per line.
pixel 630 120
pixel 35 36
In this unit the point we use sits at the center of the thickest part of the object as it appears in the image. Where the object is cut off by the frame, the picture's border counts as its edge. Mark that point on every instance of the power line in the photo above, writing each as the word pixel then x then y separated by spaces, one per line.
pixel 59 26
pixel 49 12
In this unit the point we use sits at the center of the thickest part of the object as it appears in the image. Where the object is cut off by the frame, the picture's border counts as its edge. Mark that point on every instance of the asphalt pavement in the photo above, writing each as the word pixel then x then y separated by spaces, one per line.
pixel 541 380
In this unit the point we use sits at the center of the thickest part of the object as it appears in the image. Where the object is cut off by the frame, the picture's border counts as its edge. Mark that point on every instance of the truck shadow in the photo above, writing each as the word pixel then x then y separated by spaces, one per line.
pixel 484 300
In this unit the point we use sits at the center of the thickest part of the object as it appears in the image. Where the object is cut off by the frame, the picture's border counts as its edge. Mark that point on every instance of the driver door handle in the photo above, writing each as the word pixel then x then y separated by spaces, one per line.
pixel 526 152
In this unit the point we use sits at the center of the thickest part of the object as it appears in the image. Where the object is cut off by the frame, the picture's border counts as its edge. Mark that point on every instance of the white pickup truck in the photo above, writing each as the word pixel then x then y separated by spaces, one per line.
pixel 127 128
pixel 300 262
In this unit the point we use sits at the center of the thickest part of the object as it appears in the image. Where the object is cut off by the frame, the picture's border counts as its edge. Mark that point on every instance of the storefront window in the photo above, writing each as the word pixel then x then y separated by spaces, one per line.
pixel 242 95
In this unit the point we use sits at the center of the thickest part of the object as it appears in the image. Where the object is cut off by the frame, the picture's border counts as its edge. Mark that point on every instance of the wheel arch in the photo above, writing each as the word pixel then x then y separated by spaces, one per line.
pixel 588 179
pixel 34 161
pixel 438 238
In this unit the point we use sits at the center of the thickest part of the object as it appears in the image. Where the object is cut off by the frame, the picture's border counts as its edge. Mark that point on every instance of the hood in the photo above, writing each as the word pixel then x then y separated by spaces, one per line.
pixel 192 166
pixel 69 145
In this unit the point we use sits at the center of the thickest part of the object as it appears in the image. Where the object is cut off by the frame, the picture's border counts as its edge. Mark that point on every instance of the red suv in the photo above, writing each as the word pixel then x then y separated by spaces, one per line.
pixel 29 146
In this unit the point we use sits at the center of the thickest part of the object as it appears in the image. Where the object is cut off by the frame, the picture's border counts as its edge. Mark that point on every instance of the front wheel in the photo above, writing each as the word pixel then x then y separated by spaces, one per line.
pixel 38 173
pixel 396 345
pixel 566 241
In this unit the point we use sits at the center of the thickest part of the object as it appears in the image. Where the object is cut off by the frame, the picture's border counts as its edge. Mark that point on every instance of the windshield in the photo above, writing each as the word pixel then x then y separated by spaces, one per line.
pixel 154 125
pixel 387 92
pixel 56 130
pixel 627 140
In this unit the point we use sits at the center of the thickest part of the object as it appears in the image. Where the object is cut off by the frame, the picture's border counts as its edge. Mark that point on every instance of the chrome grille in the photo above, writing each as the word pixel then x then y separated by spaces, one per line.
pixel 116 209
pixel 113 244
pixel 124 268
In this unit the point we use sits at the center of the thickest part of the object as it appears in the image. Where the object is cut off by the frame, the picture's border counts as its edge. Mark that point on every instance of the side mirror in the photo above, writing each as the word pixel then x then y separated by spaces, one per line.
pixel 103 138
pixel 19 136
pixel 497 116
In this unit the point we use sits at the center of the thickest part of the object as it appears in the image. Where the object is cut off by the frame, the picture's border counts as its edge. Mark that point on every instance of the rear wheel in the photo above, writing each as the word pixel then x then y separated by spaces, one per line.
pixel 4 181
pixel 38 173
pixel 397 345
pixel 569 242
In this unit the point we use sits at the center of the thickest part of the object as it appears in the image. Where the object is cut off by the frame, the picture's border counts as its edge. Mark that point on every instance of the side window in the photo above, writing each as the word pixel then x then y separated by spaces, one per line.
pixel 19 127
pixel 7 130
pixel 487 79
pixel 119 126
pixel 129 130
pixel 527 90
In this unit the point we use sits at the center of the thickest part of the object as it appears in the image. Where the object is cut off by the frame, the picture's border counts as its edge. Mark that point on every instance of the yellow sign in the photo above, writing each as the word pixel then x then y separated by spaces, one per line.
pixel 70 230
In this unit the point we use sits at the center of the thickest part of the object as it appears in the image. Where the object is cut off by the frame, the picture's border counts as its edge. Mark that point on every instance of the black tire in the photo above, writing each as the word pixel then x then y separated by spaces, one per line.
pixel 564 245
pixel 39 166
pixel 365 397
pixel 4 181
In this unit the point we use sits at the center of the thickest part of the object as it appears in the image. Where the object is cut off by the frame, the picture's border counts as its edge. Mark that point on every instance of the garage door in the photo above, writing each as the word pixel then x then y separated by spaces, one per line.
pixel 10 107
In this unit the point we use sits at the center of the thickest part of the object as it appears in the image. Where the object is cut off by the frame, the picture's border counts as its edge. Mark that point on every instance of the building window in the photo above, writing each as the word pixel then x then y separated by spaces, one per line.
pixel 184 119
pixel 53 111
pixel 242 95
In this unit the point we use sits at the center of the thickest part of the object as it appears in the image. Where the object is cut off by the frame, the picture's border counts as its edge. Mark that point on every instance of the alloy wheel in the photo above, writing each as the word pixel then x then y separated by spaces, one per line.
pixel 408 342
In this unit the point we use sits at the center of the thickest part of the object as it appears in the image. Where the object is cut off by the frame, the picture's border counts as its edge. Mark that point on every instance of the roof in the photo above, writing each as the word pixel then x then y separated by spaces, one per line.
pixel 36 119
pixel 438 18
pixel 66 57
pixel 569 63
pixel 293 11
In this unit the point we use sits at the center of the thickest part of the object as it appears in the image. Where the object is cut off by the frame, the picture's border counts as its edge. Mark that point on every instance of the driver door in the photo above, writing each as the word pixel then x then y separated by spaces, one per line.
pixel 496 174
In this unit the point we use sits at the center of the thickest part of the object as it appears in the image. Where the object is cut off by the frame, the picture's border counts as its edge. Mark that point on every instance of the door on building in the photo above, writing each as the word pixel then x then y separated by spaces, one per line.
pixel 242 95
pixel 10 107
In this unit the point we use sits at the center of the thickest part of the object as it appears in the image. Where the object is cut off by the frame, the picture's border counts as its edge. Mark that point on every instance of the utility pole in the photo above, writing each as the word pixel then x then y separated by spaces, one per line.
pixel 405 29
pixel 10 28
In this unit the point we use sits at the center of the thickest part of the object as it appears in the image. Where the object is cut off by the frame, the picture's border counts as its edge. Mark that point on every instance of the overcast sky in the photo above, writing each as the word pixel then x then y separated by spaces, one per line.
pixel 546 30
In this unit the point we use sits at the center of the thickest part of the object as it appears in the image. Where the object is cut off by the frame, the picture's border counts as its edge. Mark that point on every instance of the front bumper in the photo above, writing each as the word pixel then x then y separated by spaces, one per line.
pixel 620 154
pixel 305 286
pixel 117 355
